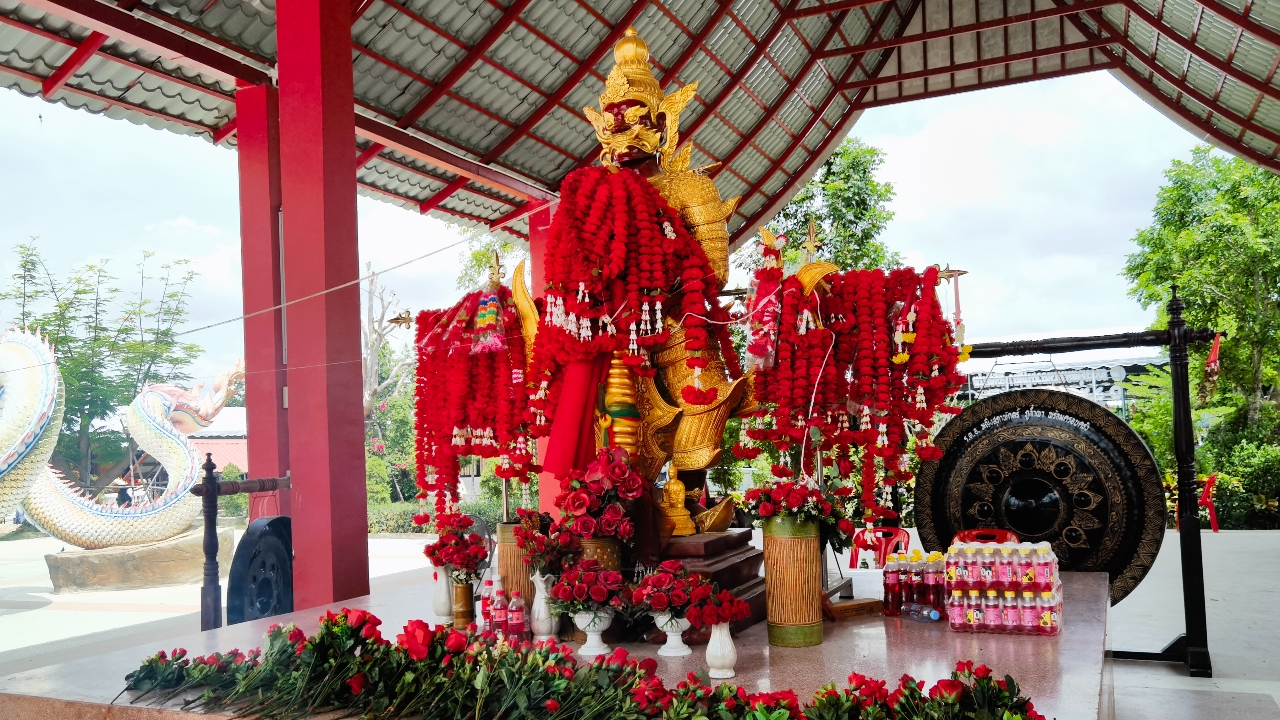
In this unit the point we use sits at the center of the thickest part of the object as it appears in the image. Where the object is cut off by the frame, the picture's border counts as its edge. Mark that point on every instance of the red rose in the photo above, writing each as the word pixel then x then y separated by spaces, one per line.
pixel 679 597
pixel 947 691
pixel 580 592
pixel 599 594
pixel 577 503
pixel 552 706
pixel 658 601
pixel 608 527
pixel 982 671
pixel 356 683
pixel 597 487
pixel 611 579
pixel 631 488
pixel 585 526
pixel 613 512
pixel 625 529
pixel 564 593
pixel 700 593
pixel 795 499
pixel 661 581
pixel 456 642
pixel 671 566
pixel 589 577
pixel 649 666
pixel 766 509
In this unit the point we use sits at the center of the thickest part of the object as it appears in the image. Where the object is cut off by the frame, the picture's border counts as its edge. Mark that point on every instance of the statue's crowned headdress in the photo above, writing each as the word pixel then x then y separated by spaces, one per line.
pixel 634 112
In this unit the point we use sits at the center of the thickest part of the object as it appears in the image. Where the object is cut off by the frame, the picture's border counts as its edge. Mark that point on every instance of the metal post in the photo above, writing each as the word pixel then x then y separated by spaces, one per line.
pixel 1197 637
pixel 211 591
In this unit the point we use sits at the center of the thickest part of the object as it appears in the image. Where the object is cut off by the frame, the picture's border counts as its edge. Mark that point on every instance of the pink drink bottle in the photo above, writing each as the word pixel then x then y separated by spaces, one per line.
pixel 892 587
pixel 973 611
pixel 969 568
pixel 1043 565
pixel 499 612
pixel 987 567
pixel 1010 618
pixel 953 572
pixel 992 618
pixel 1004 568
pixel 515 618
pixel 956 612
pixel 1028 614
pixel 486 606
pixel 1024 569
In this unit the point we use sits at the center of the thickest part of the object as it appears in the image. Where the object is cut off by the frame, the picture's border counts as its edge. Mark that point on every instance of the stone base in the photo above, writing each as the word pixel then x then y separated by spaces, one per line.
pixel 176 561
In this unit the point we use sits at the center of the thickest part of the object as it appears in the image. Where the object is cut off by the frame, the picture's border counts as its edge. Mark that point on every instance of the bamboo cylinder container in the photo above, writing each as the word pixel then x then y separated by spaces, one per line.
pixel 512 572
pixel 464 606
pixel 793 582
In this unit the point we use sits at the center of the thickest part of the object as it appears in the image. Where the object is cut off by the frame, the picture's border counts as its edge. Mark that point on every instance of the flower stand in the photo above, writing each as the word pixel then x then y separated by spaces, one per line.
pixel 793 582
pixel 593 623
pixel 672 626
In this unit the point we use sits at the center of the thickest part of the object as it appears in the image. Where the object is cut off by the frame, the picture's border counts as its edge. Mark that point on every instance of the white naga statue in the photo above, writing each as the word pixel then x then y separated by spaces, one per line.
pixel 159 420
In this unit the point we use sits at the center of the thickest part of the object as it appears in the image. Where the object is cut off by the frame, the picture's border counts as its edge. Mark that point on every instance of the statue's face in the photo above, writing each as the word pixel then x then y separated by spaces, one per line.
pixel 639 133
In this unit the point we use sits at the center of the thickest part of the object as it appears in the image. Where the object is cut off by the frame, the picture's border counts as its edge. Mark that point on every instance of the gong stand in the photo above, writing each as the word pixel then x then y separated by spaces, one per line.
pixel 1192 647
pixel 209 490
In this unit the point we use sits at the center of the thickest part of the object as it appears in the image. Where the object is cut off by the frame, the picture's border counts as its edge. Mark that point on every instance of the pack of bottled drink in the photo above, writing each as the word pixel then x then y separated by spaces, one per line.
pixel 1010 588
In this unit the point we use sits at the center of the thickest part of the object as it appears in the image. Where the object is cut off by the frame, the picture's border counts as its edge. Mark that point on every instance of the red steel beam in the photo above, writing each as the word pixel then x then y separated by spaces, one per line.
pixel 771 112
pixel 409 144
pixel 571 82
pixel 762 46
pixel 452 187
pixel 361 8
pixel 447 211
pixel 72 64
pixel 808 165
pixel 1202 54
pixel 1109 64
pixel 482 191
pixel 125 27
pixel 112 102
pixel 965 29
pixel 833 7
pixel 523 211
pixel 1241 19
pixel 452 77
pixel 696 43
pixel 225 131
pixel 978 64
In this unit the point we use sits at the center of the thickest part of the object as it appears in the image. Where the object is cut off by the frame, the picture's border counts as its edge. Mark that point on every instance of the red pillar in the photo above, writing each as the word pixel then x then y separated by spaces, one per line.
pixel 326 423
pixel 257 114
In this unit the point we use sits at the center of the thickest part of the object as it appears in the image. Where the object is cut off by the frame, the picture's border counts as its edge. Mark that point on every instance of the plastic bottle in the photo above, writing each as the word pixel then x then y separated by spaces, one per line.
pixel 1023 568
pixel 969 567
pixel 892 587
pixel 955 612
pixel 921 613
pixel 1004 567
pixel 499 612
pixel 973 611
pixel 954 576
pixel 486 606
pixel 914 590
pixel 515 618
pixel 934 587
pixel 1010 618
pixel 1049 614
pixel 992 619
pixel 987 566
pixel 1043 562
pixel 1028 614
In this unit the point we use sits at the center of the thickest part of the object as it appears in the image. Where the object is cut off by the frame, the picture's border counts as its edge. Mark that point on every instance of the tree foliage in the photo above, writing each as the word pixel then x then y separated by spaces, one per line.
pixel 481 246
pixel 849 207
pixel 1216 235
pixel 109 344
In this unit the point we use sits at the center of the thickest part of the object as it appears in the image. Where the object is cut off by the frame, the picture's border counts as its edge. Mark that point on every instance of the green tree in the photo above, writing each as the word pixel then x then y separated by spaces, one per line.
pixel 108 345
pixel 1153 413
pixel 1216 235
pixel 849 207
pixel 481 246
pixel 233 505
pixel 377 484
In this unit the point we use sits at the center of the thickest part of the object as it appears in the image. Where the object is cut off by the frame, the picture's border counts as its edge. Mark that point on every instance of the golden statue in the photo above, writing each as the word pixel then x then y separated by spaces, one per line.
pixel 638 127
pixel 673 497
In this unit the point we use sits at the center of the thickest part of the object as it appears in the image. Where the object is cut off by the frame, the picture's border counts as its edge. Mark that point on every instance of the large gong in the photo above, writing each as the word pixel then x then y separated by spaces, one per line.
pixel 1052 467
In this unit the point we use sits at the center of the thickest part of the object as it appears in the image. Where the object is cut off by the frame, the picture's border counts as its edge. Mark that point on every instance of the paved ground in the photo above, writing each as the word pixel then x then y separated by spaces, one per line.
pixel 38 627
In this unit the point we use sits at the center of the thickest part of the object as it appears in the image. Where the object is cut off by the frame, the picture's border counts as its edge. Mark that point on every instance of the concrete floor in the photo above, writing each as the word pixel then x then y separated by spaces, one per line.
pixel 39 628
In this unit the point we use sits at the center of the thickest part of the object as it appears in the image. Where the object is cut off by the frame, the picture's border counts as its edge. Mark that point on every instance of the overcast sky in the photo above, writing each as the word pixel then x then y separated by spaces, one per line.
pixel 1035 189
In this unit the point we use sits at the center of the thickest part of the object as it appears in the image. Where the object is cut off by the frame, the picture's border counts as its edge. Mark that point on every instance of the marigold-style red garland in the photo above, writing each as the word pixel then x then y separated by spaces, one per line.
pixel 469 403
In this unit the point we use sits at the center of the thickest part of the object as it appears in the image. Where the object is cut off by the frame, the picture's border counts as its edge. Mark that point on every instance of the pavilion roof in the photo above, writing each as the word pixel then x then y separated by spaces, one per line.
pixel 472 110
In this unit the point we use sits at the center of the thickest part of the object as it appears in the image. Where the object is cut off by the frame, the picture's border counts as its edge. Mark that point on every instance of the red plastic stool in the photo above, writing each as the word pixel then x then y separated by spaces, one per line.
pixel 883 540
pixel 985 535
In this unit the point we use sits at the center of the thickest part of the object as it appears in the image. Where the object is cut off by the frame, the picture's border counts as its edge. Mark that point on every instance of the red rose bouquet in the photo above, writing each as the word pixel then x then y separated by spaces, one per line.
pixel 586 587
pixel 594 502
pixel 459 550
pixel 672 589
pixel 547 545
pixel 830 508
pixel 715 608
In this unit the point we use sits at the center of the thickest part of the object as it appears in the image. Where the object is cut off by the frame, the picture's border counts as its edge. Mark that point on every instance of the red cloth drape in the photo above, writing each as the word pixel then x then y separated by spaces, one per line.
pixel 572 443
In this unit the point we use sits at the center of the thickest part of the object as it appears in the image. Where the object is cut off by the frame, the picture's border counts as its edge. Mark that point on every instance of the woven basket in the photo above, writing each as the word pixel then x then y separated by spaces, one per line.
pixel 512 572
pixel 793 582
pixel 606 551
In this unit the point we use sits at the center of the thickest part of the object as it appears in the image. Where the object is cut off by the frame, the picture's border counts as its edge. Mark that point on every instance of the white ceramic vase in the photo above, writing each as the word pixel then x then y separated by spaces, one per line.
pixel 593 623
pixel 541 621
pixel 672 626
pixel 721 654
pixel 442 601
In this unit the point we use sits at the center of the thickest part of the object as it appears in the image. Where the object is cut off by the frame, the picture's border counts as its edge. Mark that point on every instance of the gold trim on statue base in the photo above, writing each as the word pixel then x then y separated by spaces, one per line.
pixel 673 496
